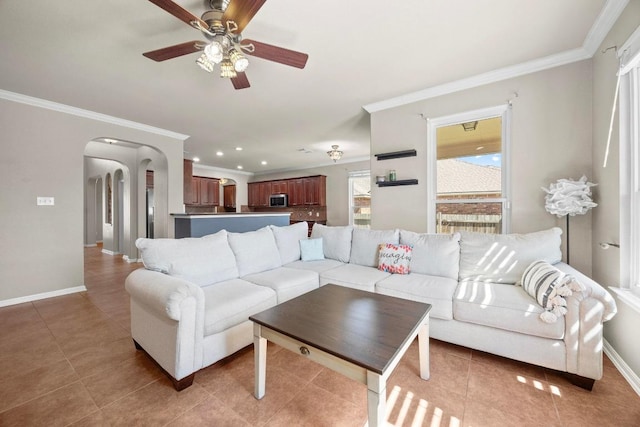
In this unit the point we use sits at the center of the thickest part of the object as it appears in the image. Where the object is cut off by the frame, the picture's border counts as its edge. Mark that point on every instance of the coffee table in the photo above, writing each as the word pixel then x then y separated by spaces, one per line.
pixel 359 334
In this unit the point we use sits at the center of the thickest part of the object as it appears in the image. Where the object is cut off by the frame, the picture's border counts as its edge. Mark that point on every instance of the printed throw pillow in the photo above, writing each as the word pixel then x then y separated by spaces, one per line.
pixel 548 286
pixel 311 249
pixel 393 258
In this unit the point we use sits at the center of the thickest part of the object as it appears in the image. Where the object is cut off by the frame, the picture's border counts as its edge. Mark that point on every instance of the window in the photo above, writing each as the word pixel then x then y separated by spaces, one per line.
pixel 629 75
pixel 468 186
pixel 360 199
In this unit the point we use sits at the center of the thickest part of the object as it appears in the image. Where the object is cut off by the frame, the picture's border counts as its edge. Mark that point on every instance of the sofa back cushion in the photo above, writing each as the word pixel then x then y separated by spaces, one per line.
pixel 336 241
pixel 502 258
pixel 255 251
pixel 365 245
pixel 202 260
pixel 288 240
pixel 433 254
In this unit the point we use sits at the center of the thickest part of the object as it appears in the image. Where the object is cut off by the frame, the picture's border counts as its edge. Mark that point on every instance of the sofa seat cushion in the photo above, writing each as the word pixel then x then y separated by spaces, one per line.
pixel 287 282
pixel 503 306
pixel 318 266
pixel 434 290
pixel 231 302
pixel 353 276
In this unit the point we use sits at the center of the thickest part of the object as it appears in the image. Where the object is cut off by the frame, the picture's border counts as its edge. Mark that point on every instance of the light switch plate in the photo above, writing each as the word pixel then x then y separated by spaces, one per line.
pixel 45 201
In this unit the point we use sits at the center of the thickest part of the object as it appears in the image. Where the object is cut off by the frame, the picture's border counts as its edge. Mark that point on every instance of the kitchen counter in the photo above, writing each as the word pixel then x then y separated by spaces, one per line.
pixel 201 224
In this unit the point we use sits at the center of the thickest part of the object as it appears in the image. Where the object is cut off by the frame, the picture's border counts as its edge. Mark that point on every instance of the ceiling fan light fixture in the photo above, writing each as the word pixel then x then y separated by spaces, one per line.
pixel 239 61
pixel 227 70
pixel 214 52
pixel 203 62
pixel 334 153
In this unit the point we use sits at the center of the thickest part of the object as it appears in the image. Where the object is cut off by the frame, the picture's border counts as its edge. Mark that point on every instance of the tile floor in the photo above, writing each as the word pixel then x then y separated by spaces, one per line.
pixel 70 360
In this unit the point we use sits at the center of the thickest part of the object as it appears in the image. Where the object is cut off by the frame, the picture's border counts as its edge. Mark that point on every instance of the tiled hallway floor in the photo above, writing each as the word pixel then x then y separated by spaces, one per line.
pixel 70 360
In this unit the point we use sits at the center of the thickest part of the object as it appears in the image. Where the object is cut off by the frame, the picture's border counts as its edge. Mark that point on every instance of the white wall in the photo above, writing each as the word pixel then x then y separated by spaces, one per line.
pixel 550 139
pixel 620 331
pixel 337 186
pixel 43 155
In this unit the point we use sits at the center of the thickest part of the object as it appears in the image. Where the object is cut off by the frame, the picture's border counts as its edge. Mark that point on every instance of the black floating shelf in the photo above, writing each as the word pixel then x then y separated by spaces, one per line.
pixel 396 154
pixel 396 183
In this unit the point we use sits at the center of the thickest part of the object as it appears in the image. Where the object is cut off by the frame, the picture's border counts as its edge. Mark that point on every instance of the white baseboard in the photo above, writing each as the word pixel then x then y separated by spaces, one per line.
pixel 36 297
pixel 130 260
pixel 108 252
pixel 90 245
pixel 625 370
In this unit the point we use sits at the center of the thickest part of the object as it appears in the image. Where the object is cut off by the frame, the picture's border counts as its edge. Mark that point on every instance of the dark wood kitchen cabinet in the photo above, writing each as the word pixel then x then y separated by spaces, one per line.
pixel 305 191
pixel 229 197
pixel 258 194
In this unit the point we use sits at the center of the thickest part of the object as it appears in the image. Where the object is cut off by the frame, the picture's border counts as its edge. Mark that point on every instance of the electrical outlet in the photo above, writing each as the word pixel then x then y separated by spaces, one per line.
pixel 45 201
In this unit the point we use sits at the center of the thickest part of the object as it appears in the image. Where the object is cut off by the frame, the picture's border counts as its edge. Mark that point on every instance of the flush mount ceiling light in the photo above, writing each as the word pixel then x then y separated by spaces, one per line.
pixel 470 126
pixel 222 26
pixel 334 153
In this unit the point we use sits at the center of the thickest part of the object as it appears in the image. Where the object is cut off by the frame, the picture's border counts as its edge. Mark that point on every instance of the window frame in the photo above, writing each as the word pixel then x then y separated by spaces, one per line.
pixel 629 140
pixel 502 111
pixel 352 175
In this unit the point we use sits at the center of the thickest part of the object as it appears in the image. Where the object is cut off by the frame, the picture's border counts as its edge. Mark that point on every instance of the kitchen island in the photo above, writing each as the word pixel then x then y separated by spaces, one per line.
pixel 201 224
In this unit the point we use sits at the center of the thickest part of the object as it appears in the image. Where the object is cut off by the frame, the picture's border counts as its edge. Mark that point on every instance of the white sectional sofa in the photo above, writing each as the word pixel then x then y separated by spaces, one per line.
pixel 190 304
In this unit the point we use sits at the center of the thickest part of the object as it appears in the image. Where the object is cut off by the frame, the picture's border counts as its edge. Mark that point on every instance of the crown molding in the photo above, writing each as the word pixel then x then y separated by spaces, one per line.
pixel 222 170
pixel 74 111
pixel 318 165
pixel 603 24
pixel 601 27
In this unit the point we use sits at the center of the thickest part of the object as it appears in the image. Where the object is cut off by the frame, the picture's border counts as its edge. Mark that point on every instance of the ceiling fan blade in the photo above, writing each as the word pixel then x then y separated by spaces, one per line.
pixel 275 53
pixel 175 51
pixel 241 12
pixel 240 81
pixel 179 12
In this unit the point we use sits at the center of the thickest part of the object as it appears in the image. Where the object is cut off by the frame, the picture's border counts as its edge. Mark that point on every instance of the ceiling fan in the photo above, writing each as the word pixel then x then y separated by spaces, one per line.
pixel 222 26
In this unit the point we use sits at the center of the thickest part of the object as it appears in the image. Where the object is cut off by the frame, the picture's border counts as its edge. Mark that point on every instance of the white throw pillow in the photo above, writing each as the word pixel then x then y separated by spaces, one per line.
pixel 365 245
pixel 288 238
pixel 502 258
pixel 256 251
pixel 433 254
pixel 202 260
pixel 336 241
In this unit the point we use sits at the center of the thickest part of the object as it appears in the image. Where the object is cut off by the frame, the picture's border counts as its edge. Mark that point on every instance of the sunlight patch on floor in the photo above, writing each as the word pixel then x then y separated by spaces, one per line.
pixel 406 400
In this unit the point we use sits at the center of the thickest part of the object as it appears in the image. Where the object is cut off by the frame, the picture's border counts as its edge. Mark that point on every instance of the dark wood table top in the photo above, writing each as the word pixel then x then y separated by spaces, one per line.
pixel 364 328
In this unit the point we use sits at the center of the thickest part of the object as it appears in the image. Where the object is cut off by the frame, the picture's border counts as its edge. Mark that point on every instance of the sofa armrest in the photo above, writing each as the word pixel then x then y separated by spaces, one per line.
pixel 592 290
pixel 586 312
pixel 162 293
pixel 167 320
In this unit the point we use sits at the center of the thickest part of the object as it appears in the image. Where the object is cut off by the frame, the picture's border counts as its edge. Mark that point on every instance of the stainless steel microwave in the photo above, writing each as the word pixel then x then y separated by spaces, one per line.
pixel 278 201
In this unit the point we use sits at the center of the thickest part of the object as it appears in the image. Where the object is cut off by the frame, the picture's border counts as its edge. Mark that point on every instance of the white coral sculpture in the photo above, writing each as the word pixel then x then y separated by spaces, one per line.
pixel 569 197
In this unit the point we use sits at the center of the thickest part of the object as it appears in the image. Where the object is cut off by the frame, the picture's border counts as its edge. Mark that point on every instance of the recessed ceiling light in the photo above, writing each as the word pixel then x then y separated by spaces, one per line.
pixel 238 148
pixel 196 159
pixel 239 167
pixel 219 153
pixel 264 162
pixel 111 141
